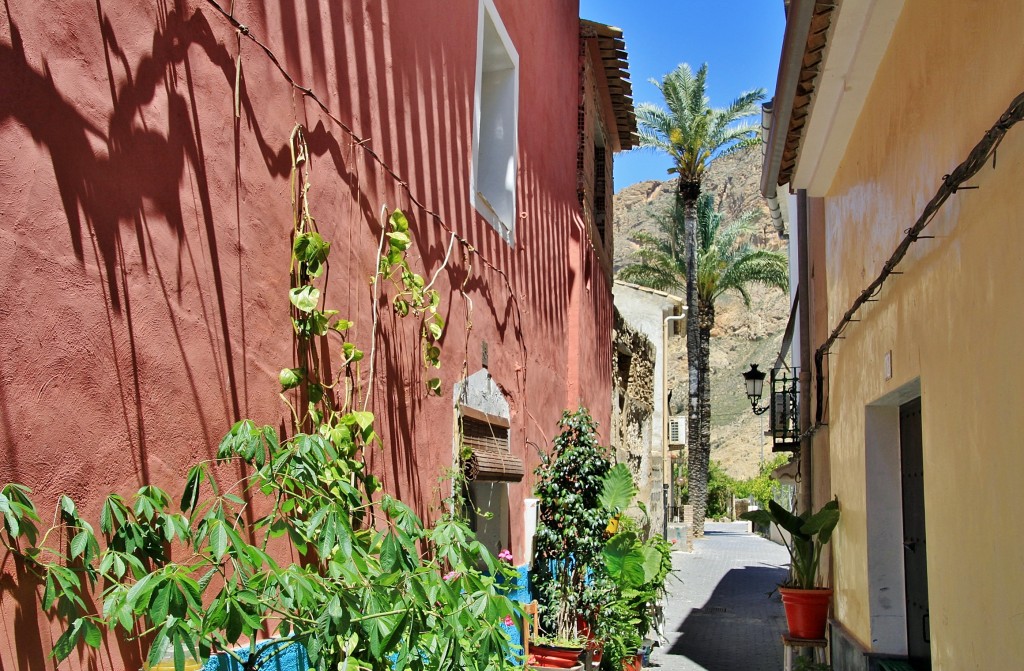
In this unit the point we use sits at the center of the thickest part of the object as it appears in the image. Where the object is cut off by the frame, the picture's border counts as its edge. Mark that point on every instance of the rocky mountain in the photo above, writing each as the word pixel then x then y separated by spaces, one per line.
pixel 742 335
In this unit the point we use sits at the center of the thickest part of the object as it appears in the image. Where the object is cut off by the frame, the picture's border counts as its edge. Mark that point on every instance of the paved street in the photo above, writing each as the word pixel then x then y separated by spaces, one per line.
pixel 718 616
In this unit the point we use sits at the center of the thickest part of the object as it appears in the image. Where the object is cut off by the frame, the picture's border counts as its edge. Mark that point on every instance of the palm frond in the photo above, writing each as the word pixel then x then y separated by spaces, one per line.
pixel 761 267
pixel 688 129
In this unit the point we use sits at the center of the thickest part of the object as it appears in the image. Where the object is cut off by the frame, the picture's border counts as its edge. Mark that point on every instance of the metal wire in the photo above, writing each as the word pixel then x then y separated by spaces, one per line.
pixel 952 182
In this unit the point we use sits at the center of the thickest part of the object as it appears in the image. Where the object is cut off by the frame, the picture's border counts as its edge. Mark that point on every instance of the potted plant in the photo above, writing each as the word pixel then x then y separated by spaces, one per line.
pixel 805 600
pixel 635 570
pixel 570 532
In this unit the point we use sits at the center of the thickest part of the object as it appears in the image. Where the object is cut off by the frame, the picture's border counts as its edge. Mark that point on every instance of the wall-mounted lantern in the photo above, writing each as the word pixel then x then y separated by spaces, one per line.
pixel 754 379
pixel 783 401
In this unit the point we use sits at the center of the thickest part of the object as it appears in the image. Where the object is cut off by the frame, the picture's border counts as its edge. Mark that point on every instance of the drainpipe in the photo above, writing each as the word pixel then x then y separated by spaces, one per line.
pixel 666 459
pixel 774 208
pixel 806 495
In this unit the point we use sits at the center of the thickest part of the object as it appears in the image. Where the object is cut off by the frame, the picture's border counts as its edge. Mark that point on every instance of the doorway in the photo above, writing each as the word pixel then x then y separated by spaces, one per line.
pixel 915 548
pixel 897 547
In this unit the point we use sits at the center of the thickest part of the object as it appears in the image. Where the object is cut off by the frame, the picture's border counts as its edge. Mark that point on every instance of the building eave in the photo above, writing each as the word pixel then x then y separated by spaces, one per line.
pixel 858 41
pixel 615 59
pixel 831 52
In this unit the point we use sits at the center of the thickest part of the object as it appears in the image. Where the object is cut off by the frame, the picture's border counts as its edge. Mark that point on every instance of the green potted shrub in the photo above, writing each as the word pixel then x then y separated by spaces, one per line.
pixel 634 574
pixel 570 531
pixel 805 600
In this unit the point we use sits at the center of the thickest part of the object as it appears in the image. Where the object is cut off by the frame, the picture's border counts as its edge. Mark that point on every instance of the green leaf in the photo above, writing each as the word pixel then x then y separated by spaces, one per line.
pixel 119 567
pixel 351 352
pixel 78 543
pixel 139 590
pixel 305 298
pixel 179 653
pixel 177 606
pixel 823 522
pixel 190 497
pixel 390 554
pixel 624 559
pixel 159 648
pixel 218 540
pixel 13 523
pixel 344 540
pixel 363 419
pixel 311 250
pixel 291 377
pixel 399 222
pixel 327 537
pixel 342 325
pixel 67 641
pixel 235 622
pixel 787 520
pixel 49 592
pixel 67 509
pixel 651 563
pixel 618 489
pixel 434 386
pixel 398 240
pixel 93 636
pixel 160 605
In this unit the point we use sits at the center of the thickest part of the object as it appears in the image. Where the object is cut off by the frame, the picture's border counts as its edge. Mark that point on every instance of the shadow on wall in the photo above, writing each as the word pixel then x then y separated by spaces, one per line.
pixel 126 186
pixel 138 175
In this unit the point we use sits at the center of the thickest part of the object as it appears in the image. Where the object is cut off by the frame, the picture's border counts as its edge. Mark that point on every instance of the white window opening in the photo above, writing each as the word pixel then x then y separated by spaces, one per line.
pixel 490 520
pixel 495 123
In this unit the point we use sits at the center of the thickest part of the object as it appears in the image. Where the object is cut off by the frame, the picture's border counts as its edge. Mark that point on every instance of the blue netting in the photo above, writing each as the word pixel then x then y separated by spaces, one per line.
pixel 290 658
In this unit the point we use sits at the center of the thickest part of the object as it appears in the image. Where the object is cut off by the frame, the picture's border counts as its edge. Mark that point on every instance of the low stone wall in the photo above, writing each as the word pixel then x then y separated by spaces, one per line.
pixel 682 532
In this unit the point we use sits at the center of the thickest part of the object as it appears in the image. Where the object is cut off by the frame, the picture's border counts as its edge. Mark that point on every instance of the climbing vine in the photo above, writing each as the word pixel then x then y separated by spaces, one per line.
pixel 372 589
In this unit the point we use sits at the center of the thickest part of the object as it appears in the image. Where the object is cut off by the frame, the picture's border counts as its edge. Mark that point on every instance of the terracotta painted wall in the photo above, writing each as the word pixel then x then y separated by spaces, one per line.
pixel 144 239
pixel 952 322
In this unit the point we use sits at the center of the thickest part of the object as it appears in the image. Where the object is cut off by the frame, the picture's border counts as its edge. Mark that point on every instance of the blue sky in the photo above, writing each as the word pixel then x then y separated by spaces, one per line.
pixel 740 40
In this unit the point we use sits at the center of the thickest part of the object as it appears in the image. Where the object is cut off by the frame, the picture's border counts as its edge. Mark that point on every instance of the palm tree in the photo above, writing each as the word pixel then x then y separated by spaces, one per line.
pixel 726 261
pixel 692 133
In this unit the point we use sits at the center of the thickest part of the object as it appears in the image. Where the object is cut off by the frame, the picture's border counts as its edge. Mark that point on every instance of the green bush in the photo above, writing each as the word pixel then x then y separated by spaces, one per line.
pixel 761 487
pixel 570 533
pixel 721 488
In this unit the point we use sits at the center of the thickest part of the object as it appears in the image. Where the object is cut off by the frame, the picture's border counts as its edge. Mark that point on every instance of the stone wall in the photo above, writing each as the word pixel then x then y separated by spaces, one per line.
pixel 633 415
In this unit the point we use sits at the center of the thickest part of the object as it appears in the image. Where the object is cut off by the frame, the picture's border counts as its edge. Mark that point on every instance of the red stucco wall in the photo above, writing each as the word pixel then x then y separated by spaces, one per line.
pixel 144 239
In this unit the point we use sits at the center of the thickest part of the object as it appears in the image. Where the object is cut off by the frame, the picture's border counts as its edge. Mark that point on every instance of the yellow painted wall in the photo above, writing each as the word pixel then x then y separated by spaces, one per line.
pixel 955 320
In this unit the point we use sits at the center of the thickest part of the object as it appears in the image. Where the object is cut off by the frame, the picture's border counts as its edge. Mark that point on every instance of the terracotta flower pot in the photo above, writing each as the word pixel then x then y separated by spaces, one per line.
pixel 806 611
pixel 634 663
pixel 543 661
pixel 555 656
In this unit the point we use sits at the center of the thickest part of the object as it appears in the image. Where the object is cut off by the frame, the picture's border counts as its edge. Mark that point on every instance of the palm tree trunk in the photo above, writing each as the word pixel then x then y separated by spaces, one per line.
pixel 697 478
pixel 701 452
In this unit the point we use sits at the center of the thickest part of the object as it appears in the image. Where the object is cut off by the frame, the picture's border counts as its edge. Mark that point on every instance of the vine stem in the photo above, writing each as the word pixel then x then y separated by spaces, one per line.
pixel 363 143
pixel 447 256
pixel 376 308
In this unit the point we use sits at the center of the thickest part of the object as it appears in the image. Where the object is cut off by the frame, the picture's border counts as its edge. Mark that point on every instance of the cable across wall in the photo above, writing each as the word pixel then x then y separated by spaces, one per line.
pixel 951 183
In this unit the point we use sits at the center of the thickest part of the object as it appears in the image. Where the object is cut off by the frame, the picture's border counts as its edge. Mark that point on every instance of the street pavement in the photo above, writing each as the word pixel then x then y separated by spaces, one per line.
pixel 718 615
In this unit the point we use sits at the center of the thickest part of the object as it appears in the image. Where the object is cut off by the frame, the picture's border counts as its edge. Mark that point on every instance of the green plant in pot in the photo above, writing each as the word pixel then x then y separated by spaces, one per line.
pixel 805 600
pixel 570 531
pixel 635 570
